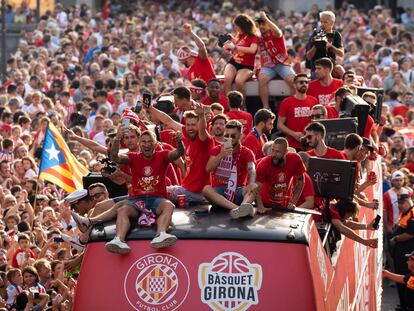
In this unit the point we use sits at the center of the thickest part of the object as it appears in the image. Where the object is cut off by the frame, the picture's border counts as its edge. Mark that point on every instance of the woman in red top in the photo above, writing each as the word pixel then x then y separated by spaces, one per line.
pixel 243 48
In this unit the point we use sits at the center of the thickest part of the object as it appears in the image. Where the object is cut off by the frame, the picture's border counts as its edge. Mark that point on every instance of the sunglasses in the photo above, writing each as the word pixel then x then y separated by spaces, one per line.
pixel 308 137
pixel 231 136
pixel 302 82
pixel 317 116
pixel 96 195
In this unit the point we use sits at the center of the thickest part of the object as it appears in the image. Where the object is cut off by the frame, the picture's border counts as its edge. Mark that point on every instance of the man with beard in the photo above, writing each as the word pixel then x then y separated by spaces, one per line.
pixel 315 138
pixel 295 112
pixel 217 126
pixel 275 173
pixel 198 64
pixel 215 95
pixel 263 123
pixel 198 143
pixel 229 165
pixel 148 191
pixel 273 57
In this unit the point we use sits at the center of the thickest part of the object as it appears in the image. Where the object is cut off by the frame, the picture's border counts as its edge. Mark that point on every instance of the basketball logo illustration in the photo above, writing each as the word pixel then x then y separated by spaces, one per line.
pixel 156 282
pixel 230 282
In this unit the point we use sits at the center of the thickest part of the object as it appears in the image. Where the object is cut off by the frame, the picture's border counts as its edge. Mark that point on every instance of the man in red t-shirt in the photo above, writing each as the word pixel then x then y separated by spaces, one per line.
pixel 325 86
pixel 410 159
pixel 229 165
pixel 148 190
pixel 295 112
pixel 217 127
pixel 215 95
pixel 197 143
pixel 235 113
pixel 274 176
pixel 200 66
pixel 263 123
pixel 315 137
pixel 370 131
pixel 401 110
pixel 273 57
pixel 307 197
pixel 333 109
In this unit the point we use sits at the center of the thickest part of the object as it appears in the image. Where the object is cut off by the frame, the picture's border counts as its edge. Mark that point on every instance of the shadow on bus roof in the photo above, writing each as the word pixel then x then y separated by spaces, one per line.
pixel 277 226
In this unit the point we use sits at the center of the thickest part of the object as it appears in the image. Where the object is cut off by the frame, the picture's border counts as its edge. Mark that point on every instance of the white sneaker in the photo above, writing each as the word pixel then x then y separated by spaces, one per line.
pixel 116 246
pixel 163 240
pixel 82 222
pixel 246 209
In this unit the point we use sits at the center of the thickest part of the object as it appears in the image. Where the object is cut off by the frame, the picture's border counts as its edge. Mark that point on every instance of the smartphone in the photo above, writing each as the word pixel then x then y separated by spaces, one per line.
pixel 146 99
pixel 58 239
pixel 138 107
pixel 207 109
pixel 228 142
pixel 125 122
pixel 376 222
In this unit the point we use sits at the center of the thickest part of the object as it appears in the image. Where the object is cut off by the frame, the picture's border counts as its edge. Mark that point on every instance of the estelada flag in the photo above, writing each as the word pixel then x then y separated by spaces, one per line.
pixel 58 164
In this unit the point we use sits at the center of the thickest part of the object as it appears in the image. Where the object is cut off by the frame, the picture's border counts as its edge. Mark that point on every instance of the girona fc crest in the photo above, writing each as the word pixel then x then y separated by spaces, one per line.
pixel 281 177
pixel 157 282
pixel 230 282
pixel 148 170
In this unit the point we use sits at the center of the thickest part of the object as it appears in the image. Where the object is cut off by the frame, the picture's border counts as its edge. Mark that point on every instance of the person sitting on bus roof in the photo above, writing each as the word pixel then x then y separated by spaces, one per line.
pixel 340 216
pixel 315 138
pixel 274 174
pixel 229 164
pixel 307 197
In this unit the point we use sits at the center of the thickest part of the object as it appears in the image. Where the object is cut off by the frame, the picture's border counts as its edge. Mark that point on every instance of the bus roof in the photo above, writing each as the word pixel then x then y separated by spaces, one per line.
pixel 277 226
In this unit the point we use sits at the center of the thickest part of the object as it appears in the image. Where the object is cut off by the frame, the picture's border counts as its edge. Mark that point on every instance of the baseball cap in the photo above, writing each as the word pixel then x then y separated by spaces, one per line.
pixel 76 196
pixel 410 255
pixel 111 133
pixel 367 143
pixel 397 174
pixel 184 53
pixel 403 197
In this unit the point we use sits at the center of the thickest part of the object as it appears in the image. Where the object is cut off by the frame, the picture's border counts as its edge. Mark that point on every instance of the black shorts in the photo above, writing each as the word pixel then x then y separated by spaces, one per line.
pixel 239 66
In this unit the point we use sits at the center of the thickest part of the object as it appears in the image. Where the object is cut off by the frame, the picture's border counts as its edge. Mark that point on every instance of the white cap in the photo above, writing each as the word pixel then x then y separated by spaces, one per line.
pixel 397 174
pixel 76 196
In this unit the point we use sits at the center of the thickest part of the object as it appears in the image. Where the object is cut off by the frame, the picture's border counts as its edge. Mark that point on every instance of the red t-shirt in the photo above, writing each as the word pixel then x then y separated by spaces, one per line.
pixel 297 113
pixel 332 113
pixel 308 190
pixel 245 58
pixel 148 176
pixel 369 126
pixel 196 155
pixel 223 100
pixel 254 144
pixel 400 110
pixel 272 50
pixel 410 166
pixel 19 257
pixel 324 94
pixel 276 179
pixel 331 153
pixel 220 176
pixel 201 69
pixel 167 136
pixel 244 118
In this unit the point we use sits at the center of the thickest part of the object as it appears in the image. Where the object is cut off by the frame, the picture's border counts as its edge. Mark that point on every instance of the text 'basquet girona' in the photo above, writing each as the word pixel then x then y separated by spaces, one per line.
pixel 230 282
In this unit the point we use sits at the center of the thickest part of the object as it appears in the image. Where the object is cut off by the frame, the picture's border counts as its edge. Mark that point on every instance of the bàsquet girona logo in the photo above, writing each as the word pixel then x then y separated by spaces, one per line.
pixel 157 282
pixel 230 282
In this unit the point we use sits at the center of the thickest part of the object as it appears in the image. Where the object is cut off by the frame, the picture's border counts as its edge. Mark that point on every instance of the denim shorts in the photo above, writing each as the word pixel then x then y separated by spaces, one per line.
pixel 280 69
pixel 151 203
pixel 239 193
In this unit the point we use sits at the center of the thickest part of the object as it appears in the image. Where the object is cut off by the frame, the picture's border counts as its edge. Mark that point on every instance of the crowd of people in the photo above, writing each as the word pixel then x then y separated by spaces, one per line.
pixel 158 87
